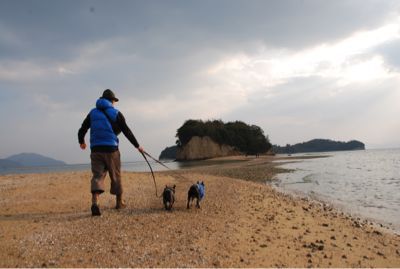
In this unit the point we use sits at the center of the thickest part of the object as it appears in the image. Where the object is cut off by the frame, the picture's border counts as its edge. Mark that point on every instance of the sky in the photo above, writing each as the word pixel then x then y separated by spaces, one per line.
pixel 298 69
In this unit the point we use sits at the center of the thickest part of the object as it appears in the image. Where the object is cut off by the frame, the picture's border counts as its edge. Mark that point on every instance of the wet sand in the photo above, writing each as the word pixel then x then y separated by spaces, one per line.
pixel 45 221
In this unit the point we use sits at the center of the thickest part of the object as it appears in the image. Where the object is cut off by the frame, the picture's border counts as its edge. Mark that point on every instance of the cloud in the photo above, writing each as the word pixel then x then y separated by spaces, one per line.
pixel 65 71
pixel 302 110
pixel 391 55
pixel 56 31
pixel 351 59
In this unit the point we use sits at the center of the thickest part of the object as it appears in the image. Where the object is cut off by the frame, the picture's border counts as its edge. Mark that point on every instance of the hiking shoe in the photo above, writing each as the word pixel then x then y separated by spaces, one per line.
pixel 120 205
pixel 95 210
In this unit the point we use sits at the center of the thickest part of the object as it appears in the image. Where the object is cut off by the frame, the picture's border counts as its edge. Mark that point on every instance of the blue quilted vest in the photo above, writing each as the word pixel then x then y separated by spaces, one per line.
pixel 101 132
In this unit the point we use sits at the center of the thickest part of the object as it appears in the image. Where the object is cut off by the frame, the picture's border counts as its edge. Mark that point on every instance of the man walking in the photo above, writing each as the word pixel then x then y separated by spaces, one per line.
pixel 105 123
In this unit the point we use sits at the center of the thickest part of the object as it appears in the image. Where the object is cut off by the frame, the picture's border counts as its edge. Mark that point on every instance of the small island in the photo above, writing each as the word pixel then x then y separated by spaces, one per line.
pixel 169 153
pixel 198 140
pixel 319 145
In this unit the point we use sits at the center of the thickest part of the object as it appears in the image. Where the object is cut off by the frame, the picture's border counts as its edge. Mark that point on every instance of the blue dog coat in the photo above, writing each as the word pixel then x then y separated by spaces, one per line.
pixel 201 190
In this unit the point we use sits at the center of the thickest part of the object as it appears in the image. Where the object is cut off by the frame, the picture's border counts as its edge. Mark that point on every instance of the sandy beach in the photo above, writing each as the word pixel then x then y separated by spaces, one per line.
pixel 45 221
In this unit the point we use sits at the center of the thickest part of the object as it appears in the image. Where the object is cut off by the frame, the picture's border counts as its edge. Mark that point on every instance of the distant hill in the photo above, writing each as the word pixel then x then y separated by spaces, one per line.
pixel 30 159
pixel 169 153
pixel 8 164
pixel 319 145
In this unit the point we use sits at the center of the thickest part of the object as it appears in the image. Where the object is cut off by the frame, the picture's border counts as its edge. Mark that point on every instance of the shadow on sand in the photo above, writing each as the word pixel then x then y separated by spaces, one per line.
pixel 106 211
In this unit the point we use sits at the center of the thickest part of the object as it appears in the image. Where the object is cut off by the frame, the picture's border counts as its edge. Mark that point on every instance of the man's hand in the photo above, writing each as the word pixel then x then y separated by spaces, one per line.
pixel 140 149
pixel 83 146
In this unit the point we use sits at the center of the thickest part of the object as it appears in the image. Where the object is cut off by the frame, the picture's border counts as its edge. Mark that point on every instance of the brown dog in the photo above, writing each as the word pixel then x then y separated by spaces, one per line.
pixel 168 197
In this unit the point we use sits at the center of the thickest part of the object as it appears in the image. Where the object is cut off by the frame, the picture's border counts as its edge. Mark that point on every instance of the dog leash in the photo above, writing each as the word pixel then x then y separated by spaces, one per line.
pixel 152 173
pixel 157 161
pixel 144 154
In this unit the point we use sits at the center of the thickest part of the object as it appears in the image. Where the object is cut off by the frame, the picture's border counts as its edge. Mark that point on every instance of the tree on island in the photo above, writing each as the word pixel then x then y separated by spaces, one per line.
pixel 249 139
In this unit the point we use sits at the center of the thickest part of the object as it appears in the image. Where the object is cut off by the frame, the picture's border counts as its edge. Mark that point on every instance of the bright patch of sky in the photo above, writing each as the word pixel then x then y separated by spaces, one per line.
pixel 351 60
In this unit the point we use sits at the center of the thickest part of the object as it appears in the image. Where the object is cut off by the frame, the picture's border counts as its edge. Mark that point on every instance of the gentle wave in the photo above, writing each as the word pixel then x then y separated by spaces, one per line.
pixel 362 182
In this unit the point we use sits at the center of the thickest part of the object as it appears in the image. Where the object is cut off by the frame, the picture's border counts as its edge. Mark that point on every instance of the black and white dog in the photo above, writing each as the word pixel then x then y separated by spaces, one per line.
pixel 168 197
pixel 196 191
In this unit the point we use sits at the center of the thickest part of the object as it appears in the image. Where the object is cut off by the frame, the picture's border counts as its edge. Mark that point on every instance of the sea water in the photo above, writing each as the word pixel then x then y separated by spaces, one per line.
pixel 365 183
pixel 138 166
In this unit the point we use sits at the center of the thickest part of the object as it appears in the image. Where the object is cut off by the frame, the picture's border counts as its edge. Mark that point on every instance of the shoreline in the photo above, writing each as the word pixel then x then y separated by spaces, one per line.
pixel 358 218
pixel 326 184
pixel 283 159
pixel 45 222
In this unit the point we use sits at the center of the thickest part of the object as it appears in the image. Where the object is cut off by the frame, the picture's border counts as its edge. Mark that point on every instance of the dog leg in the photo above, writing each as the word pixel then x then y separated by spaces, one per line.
pixel 197 203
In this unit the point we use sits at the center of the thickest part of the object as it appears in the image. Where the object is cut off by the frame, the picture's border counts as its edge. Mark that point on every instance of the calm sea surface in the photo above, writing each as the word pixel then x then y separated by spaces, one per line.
pixel 365 183
pixel 139 166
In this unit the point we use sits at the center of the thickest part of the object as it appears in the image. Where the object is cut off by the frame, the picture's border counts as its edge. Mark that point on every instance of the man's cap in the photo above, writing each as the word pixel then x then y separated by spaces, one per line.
pixel 109 95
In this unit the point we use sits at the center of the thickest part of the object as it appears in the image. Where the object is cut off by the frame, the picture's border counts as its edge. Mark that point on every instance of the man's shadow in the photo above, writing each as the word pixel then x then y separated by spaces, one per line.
pixel 79 215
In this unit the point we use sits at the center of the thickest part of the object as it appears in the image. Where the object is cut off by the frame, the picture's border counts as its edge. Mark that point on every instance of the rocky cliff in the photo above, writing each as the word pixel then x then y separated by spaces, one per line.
pixel 199 148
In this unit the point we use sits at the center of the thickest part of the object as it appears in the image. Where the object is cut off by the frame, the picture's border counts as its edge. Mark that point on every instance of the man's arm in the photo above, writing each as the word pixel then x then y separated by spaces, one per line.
pixel 125 130
pixel 83 130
